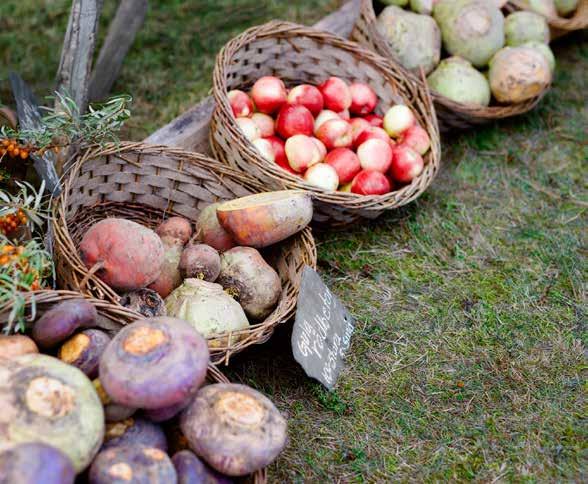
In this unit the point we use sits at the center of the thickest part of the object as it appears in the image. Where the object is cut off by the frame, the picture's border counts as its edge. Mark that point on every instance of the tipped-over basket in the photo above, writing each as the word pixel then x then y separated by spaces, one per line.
pixel 298 54
pixel 560 26
pixel 147 184
pixel 451 115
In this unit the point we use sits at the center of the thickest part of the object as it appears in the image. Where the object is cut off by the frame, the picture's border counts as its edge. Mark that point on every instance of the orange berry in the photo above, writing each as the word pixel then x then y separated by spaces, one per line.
pixel 24 154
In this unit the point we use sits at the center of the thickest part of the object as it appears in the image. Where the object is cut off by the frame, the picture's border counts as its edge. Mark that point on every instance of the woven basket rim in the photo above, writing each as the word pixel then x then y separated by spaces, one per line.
pixel 578 21
pixel 283 29
pixel 488 113
pixel 66 250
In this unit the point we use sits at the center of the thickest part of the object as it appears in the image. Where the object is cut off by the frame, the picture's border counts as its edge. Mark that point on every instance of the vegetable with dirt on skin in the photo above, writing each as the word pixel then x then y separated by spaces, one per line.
pixel 200 261
pixel 134 432
pixel 210 231
pixel 169 277
pixel 124 254
pixel 266 218
pixel 522 27
pixel 414 39
pixel 234 428
pixel 545 50
pixel 144 301
pixel 177 228
pixel 35 463
pixel 207 307
pixel 456 79
pixel 139 465
pixel 472 29
pixel 16 345
pixel 191 470
pixel 518 74
pixel 113 412
pixel 46 400
pixel 83 350
pixel 61 321
pixel 136 366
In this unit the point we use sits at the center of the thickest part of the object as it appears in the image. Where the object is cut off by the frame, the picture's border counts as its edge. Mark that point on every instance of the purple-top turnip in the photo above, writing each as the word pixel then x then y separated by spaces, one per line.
pixel 134 432
pixel 191 470
pixel 35 463
pixel 83 350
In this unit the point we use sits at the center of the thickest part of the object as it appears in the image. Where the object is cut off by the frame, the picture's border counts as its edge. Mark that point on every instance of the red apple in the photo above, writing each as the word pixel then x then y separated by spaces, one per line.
pixel 323 176
pixel 249 128
pixel 417 139
pixel 240 103
pixel 336 94
pixel 345 114
pixel 293 120
pixel 375 155
pixel 358 125
pixel 278 147
pixel 308 96
pixel 265 148
pixel 363 99
pixel 302 152
pixel 335 133
pixel 323 117
pixel 321 147
pixel 345 162
pixel 269 94
pixel 265 123
pixel 398 119
pixel 370 183
pixel 371 133
pixel 375 120
pixel 406 165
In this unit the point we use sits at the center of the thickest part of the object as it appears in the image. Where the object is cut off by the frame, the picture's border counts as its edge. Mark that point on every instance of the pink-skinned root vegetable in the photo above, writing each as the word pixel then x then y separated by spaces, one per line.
pixel 211 232
pixel 200 261
pixel 144 301
pixel 255 284
pixel 266 218
pixel 169 277
pixel 46 400
pixel 136 366
pixel 83 350
pixel 177 228
pixel 134 432
pixel 192 470
pixel 61 321
pixel 35 463
pixel 16 345
pixel 139 465
pixel 234 428
pixel 113 412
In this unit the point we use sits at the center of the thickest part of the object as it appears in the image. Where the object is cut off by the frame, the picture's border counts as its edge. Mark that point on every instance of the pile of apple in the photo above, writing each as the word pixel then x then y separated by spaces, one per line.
pixel 330 135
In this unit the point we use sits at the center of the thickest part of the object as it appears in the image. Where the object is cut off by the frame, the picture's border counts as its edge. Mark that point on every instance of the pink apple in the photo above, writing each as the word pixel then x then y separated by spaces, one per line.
pixel 249 128
pixel 416 138
pixel 370 183
pixel 323 176
pixel 335 133
pixel 308 96
pixel 363 99
pixel 265 148
pixel 371 133
pixel 375 155
pixel 278 147
pixel 302 152
pixel 336 94
pixel 375 120
pixel 406 165
pixel 345 114
pixel 324 116
pixel 398 119
pixel 269 94
pixel 358 125
pixel 294 120
pixel 345 162
pixel 240 103
pixel 321 147
pixel 265 124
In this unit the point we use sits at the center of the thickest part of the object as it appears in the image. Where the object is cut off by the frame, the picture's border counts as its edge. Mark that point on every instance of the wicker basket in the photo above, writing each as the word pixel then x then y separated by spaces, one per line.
pixel 451 115
pixel 300 54
pixel 145 184
pixel 560 26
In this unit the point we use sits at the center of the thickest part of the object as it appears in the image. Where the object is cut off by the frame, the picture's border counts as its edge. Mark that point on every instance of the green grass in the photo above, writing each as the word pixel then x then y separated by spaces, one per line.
pixel 468 361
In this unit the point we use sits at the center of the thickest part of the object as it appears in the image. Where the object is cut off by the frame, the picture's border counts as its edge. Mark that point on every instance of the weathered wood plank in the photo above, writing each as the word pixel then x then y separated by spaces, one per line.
pixel 190 130
pixel 128 20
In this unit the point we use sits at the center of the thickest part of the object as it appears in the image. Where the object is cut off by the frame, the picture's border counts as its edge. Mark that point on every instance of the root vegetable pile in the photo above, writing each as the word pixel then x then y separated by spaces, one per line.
pixel 330 136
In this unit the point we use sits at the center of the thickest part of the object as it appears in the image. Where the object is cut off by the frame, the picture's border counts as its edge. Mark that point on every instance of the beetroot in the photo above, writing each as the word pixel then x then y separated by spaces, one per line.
pixel 177 228
pixel 200 261
pixel 191 470
pixel 144 301
pixel 234 428
pixel 134 432
pixel 139 465
pixel 84 349
pixel 154 363
pixel 35 463
pixel 210 231
pixel 170 276
pixel 60 322
pixel 129 256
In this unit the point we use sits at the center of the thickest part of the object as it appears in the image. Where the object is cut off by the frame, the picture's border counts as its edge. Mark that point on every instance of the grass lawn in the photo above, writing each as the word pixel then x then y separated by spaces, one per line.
pixel 468 361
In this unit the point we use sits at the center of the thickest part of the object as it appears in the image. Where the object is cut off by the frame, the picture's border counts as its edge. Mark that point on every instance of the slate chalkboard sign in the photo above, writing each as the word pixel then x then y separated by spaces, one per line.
pixel 322 330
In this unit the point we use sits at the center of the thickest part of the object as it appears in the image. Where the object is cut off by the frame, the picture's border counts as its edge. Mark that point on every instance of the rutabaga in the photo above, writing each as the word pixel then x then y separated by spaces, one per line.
pixel 545 50
pixel 521 27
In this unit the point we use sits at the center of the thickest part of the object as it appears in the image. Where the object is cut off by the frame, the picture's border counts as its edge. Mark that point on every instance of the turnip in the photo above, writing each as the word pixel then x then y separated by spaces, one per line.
pixel 518 74
pixel 246 275
pixel 422 6
pixel 16 345
pixel 35 463
pixel 84 349
pixel 522 27
pixel 45 400
pixel 456 79
pixel 206 307
pixel 144 301
pixel 543 7
pixel 545 50
pixel 169 278
pixel 177 228
pixel 472 29
pixel 134 432
pixel 113 412
pixel 210 231
pixel 191 470
pixel 136 366
pixel 200 261
pixel 165 413
pixel 414 39
pixel 565 7
pixel 234 428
